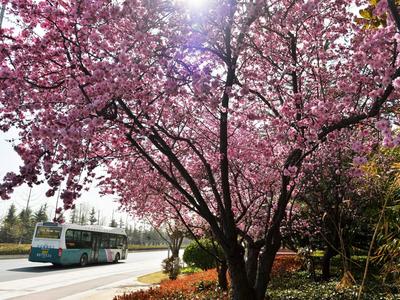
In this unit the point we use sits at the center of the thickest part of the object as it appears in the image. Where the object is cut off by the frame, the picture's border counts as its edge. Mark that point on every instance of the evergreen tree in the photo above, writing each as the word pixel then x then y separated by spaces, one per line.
pixel 92 216
pixel 113 223
pixel 121 223
pixel 11 217
pixel 41 214
pixel 73 217
pixel 26 226
pixel 83 218
pixel 9 231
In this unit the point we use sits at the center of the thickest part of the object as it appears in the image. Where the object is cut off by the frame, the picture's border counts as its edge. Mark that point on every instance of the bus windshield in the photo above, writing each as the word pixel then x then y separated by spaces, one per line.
pixel 48 232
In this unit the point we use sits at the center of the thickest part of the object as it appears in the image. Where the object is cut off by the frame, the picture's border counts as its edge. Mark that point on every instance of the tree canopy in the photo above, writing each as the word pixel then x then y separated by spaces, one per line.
pixel 214 112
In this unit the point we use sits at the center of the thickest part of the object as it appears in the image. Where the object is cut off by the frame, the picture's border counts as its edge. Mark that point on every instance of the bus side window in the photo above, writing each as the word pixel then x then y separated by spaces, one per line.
pixel 118 242
pixel 86 239
pixel 105 242
pixel 113 241
pixel 77 238
pixel 69 239
pixel 122 242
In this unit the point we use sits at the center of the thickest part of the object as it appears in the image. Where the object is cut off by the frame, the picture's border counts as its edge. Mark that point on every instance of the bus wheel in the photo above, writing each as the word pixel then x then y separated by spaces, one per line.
pixel 84 260
pixel 116 259
pixel 56 264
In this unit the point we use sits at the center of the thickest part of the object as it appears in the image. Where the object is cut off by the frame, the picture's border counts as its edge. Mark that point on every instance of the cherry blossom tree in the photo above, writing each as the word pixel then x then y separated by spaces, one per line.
pixel 215 111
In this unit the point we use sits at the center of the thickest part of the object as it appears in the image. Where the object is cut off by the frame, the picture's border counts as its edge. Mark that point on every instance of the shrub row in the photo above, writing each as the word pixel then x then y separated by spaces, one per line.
pixel 13 249
pixel 201 285
pixel 147 247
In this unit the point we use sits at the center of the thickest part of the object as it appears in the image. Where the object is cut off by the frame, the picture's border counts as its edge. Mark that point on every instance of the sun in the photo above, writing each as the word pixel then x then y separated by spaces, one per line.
pixel 194 5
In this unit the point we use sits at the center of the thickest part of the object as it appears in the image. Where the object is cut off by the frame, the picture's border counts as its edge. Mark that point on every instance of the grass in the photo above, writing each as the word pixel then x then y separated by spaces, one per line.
pixel 153 278
pixel 147 247
pixel 157 277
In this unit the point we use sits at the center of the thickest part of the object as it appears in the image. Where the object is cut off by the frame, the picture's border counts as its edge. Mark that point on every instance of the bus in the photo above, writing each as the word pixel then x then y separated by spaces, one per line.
pixel 69 244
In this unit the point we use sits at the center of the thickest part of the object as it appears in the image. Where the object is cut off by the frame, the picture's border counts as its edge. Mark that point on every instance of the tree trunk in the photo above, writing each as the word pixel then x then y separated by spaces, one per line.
pixel 222 280
pixel 265 263
pixel 326 263
pixel 241 288
pixel 253 253
pixel 174 252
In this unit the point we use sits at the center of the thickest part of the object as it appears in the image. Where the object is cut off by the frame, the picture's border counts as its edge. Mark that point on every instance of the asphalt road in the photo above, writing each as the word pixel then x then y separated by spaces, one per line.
pixel 21 279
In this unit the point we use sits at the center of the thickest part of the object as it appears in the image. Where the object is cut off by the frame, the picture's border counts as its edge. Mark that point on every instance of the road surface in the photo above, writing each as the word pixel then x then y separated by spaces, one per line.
pixel 21 279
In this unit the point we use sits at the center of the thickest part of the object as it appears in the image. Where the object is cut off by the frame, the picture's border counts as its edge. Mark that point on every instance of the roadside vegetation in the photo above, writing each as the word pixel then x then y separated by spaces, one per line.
pixel 14 249
pixel 147 247
pixel 291 279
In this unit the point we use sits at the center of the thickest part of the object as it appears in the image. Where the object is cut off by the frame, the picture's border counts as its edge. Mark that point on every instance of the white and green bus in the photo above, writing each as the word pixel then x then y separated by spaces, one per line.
pixel 68 244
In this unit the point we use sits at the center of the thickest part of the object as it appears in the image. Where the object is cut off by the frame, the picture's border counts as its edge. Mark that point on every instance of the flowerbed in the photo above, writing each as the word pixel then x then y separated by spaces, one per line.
pixel 202 285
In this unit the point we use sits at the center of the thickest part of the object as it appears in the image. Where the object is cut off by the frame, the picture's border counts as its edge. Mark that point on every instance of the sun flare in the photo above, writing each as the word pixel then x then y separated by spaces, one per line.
pixel 195 4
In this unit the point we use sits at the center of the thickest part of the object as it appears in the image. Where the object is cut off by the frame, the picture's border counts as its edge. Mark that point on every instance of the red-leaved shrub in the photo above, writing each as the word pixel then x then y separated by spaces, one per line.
pixel 202 285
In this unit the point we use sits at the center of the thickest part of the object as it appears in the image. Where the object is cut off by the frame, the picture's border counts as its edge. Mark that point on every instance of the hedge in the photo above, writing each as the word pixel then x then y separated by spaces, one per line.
pixel 13 249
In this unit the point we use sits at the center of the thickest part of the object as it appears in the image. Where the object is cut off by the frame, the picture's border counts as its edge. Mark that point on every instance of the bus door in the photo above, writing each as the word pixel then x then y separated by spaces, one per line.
pixel 96 237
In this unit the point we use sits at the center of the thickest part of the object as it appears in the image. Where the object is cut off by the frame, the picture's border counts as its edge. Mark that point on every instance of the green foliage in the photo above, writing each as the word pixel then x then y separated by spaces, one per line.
pixel 9 231
pixel 11 217
pixel 18 227
pixel 113 223
pixel 132 247
pixel 26 226
pixel 92 216
pixel 171 267
pixel 299 287
pixel 369 19
pixel 190 270
pixel 205 285
pixel 387 255
pixel 73 217
pixel 202 257
pixel 12 249
pixel 41 214
pixel 383 172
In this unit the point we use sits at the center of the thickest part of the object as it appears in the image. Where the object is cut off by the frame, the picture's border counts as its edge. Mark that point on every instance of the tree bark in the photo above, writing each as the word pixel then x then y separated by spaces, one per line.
pixel 253 252
pixel 222 280
pixel 326 262
pixel 265 263
pixel 241 288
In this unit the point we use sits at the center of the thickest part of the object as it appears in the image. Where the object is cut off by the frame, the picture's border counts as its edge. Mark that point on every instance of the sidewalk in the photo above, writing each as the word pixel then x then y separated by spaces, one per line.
pixel 107 292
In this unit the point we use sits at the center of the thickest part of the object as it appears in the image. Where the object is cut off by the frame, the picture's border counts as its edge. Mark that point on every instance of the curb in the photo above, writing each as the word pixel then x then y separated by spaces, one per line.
pixel 108 292
pixel 14 256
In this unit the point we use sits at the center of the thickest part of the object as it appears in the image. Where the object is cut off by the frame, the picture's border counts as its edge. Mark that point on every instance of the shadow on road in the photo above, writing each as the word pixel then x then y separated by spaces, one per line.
pixel 51 268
